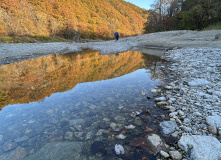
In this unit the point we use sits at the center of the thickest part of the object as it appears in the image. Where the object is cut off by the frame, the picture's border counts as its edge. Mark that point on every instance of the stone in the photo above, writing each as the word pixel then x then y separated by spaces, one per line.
pixel 162 103
pixel 59 150
pixel 119 149
pixel 164 154
pixel 160 99
pixel 130 126
pixel 173 114
pixel 69 135
pixel 76 122
pixel 121 136
pixel 187 129
pixel 168 127
pixel 175 155
pixel 119 118
pixel 175 134
pixel 21 139
pixel 154 91
pixel 217 93
pixel 138 122
pixel 113 126
pixel 198 82
pixel 9 146
pixel 213 130
pixel 181 113
pixel 201 147
pixel 168 87
pixel 17 154
pixel 155 143
pixel 214 121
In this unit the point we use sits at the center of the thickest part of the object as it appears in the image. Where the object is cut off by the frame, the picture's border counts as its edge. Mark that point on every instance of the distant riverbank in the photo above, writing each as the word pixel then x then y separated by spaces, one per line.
pixel 13 52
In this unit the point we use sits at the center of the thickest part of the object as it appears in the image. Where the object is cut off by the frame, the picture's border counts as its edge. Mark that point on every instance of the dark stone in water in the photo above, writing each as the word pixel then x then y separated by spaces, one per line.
pixel 142 155
pixel 170 139
pixel 98 147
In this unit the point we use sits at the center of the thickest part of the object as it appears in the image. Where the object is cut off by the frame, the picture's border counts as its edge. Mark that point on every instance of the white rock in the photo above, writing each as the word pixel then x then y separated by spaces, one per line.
pixel 130 126
pixel 198 82
pixel 155 142
pixel 119 149
pixel 217 93
pixel 201 147
pixel 168 126
pixel 160 99
pixel 173 114
pixel 187 129
pixel 181 113
pixel 164 154
pixel 121 136
pixel 154 91
pixel 214 121
pixel 162 103
pixel 168 87
pixel 175 155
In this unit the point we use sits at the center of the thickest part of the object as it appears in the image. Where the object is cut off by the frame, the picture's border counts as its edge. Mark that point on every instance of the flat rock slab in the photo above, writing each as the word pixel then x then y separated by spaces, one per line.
pixel 201 147
pixel 58 151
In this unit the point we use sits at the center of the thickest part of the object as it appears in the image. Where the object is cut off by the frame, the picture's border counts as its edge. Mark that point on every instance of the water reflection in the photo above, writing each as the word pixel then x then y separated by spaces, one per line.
pixel 35 79
pixel 85 100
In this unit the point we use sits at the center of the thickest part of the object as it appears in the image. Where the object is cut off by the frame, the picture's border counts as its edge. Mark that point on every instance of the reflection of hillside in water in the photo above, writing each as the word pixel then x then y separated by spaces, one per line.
pixel 33 80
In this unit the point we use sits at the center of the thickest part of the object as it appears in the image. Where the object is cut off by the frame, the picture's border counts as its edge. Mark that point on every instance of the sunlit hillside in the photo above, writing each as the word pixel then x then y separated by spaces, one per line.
pixel 92 18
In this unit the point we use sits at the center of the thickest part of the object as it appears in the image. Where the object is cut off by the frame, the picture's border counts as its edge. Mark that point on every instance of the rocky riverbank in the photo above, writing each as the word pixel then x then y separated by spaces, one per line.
pixel 192 97
pixel 14 52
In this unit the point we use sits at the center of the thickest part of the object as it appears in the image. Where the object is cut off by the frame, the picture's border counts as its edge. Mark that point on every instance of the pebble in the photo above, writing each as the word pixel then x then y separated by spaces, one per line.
pixel 9 146
pixel 164 154
pixel 175 155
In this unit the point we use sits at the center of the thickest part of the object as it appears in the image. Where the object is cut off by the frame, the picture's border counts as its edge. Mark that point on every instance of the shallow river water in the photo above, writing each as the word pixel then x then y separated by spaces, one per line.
pixel 78 106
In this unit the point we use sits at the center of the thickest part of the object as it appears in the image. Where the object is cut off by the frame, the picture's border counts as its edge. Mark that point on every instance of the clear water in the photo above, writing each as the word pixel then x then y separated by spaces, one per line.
pixel 75 106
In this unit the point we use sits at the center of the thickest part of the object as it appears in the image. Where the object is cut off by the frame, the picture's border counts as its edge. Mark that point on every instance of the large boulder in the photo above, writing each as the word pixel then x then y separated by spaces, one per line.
pixel 201 147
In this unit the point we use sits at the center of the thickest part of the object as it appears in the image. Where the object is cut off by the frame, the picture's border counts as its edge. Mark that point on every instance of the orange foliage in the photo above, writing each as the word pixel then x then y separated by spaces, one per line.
pixel 94 19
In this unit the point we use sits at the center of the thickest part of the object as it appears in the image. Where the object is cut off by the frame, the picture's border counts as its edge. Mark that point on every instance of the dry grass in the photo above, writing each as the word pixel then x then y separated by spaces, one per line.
pixel 31 39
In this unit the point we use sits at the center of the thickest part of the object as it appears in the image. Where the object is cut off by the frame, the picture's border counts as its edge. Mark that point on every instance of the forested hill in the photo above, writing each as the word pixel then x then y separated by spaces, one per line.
pixel 93 18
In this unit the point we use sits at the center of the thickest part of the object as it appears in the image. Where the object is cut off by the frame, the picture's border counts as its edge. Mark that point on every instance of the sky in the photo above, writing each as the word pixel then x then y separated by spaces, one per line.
pixel 142 3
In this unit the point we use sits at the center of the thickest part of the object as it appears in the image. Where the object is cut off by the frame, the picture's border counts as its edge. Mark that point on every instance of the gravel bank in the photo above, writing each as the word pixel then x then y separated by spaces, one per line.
pixel 193 98
pixel 182 39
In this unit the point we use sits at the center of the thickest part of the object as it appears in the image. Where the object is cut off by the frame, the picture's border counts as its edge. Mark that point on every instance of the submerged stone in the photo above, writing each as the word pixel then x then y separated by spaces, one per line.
pixel 119 149
pixel 58 151
pixel 98 147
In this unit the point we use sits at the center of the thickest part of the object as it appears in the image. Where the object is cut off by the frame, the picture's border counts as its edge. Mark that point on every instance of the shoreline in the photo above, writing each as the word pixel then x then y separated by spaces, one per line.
pixel 193 99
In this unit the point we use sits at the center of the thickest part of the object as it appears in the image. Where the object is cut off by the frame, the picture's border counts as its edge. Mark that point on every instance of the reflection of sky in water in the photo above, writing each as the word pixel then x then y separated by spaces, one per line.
pixel 34 124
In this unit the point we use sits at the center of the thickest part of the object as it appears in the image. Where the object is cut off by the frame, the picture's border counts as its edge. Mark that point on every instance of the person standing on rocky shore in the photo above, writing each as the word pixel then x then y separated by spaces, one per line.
pixel 116 34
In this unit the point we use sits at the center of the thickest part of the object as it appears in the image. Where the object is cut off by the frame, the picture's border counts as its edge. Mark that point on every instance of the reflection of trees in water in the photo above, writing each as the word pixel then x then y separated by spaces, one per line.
pixel 33 80
pixel 152 63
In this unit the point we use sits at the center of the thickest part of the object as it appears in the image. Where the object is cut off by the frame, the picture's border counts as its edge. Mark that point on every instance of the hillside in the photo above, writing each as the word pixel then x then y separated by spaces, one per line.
pixel 93 19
